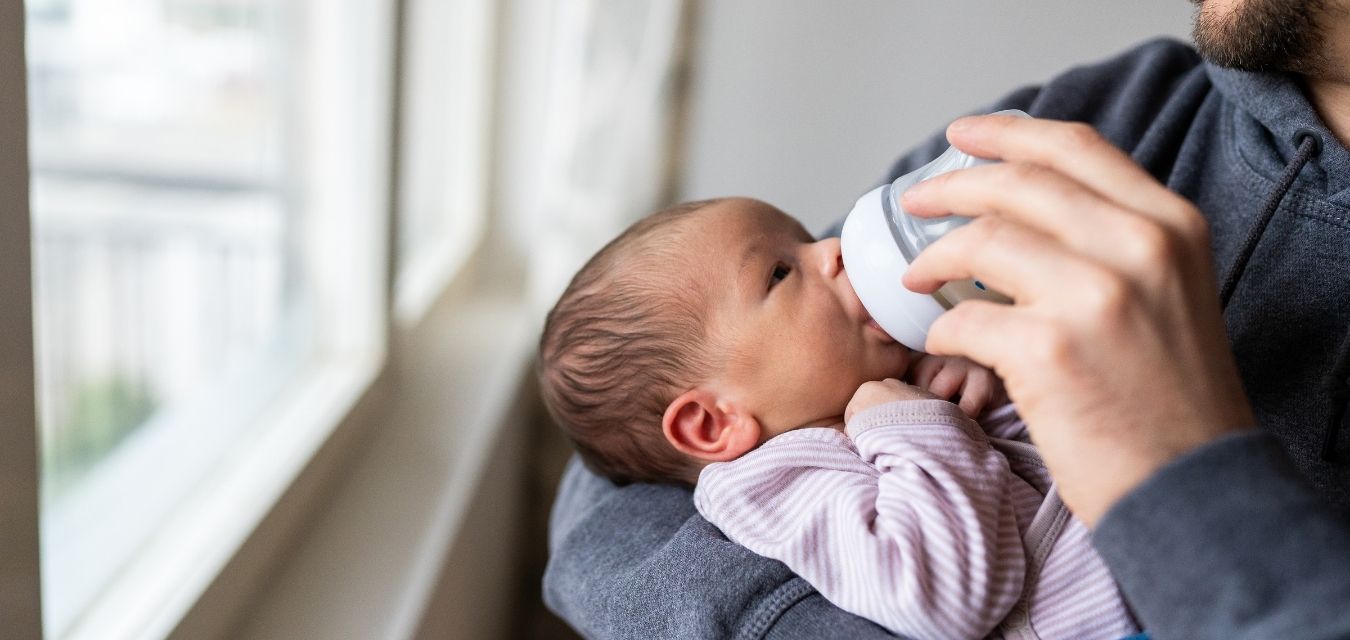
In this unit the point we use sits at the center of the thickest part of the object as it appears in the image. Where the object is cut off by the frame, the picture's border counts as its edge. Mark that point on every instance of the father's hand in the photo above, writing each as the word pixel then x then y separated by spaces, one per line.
pixel 1114 347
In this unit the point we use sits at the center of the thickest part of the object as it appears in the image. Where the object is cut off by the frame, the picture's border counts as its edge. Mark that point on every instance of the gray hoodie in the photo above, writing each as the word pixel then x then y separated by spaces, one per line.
pixel 1244 538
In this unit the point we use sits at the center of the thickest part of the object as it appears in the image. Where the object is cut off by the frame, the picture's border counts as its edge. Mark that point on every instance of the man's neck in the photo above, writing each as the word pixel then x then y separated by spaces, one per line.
pixel 1329 92
pixel 1331 99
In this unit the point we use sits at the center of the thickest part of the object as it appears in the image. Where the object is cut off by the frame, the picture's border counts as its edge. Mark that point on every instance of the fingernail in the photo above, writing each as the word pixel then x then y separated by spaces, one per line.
pixel 962 124
pixel 905 280
pixel 913 194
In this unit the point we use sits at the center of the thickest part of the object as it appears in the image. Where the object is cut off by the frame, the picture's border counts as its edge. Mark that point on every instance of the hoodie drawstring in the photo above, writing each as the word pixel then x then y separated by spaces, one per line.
pixel 1308 145
pixel 1336 384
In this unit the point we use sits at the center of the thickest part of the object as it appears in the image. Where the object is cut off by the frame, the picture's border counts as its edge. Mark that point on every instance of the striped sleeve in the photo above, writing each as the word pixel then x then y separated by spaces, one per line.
pixel 1004 422
pixel 906 520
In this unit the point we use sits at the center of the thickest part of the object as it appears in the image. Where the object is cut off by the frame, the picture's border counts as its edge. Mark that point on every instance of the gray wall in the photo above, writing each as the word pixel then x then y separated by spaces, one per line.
pixel 805 103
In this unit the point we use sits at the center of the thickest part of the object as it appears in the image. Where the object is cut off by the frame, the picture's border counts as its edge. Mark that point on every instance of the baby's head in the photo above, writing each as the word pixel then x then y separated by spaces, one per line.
pixel 699 333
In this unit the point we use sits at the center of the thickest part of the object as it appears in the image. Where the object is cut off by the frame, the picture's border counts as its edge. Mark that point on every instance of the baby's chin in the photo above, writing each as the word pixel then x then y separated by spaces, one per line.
pixel 881 373
pixel 893 361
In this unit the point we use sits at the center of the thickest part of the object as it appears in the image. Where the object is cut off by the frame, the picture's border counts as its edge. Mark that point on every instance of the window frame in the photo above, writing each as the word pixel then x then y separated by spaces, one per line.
pixel 212 555
pixel 20 587
pixel 338 403
pixel 426 88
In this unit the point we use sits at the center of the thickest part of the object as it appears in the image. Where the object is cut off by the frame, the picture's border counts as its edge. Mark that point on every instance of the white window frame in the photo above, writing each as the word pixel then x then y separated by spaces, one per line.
pixel 446 86
pixel 267 515
pixel 209 555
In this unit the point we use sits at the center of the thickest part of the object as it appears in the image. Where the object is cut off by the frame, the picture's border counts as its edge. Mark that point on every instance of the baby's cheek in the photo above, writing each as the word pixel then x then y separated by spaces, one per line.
pixel 833 395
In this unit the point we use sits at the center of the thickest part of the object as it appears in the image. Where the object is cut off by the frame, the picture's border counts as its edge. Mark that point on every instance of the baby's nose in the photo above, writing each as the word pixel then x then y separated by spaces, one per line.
pixel 831 258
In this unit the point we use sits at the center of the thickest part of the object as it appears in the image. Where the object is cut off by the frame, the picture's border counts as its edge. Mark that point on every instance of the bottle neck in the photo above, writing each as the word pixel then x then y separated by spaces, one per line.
pixel 913 234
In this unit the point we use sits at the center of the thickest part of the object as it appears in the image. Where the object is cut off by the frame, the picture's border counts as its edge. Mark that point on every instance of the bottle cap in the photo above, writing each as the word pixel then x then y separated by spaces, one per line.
pixel 875 267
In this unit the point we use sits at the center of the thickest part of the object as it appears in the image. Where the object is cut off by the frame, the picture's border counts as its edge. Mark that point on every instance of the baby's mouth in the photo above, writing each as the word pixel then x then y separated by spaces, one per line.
pixel 886 337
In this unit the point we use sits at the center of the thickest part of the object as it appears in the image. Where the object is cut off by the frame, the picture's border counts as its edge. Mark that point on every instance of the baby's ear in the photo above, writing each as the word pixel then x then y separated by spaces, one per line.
pixel 700 424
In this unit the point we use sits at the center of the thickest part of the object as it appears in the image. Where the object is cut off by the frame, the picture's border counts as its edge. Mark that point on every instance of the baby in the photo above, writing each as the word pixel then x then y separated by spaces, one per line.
pixel 718 344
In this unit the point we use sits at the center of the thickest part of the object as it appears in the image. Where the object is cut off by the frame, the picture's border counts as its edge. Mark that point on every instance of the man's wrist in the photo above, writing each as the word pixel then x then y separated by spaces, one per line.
pixel 1122 469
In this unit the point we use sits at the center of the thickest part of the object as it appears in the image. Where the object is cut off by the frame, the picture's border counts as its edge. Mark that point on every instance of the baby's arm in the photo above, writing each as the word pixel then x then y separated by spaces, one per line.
pixel 981 393
pixel 913 528
pixel 1004 422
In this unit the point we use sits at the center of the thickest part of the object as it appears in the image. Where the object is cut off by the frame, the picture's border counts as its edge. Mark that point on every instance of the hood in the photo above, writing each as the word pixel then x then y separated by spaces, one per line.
pixel 1274 110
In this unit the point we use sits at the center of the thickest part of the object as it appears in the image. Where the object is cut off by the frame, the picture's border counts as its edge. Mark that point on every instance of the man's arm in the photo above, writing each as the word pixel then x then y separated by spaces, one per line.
pixel 639 562
pixel 1229 542
pixel 1131 392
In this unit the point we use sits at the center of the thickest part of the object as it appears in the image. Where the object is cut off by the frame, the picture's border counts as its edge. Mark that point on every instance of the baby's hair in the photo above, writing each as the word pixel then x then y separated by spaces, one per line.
pixel 622 342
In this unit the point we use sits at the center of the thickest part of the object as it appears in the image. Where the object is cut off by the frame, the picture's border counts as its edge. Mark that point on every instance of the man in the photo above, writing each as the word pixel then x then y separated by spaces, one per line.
pixel 1179 345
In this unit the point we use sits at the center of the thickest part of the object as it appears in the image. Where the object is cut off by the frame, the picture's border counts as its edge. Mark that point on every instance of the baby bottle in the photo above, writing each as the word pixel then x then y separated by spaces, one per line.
pixel 879 241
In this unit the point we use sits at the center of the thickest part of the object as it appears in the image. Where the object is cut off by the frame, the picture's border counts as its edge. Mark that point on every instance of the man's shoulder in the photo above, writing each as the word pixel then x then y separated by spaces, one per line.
pixel 1122 96
pixel 1146 69
pixel 632 561
pixel 1126 94
pixel 1161 52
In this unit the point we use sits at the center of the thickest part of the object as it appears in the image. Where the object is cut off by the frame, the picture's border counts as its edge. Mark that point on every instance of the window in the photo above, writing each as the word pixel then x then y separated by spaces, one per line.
pixel 161 214
pixel 447 91
pixel 211 187
pixel 191 279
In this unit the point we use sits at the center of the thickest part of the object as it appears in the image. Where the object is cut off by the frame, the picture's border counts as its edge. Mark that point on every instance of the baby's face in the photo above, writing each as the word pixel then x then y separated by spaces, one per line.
pixel 797 339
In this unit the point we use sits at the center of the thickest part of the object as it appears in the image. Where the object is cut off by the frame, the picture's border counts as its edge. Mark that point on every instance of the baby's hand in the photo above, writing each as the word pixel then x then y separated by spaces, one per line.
pixel 871 394
pixel 959 380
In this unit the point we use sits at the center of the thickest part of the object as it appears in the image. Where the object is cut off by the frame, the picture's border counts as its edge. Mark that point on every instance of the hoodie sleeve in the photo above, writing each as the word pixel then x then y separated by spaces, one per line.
pixel 1229 542
pixel 914 529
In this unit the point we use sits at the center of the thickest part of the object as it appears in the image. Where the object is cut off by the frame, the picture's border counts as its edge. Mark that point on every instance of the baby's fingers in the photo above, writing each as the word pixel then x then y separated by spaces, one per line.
pixel 976 395
pixel 925 369
pixel 871 394
pixel 948 381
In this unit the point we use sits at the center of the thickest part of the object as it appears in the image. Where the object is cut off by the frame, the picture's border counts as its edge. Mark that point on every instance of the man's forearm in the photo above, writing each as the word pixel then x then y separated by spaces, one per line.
pixel 638 562
pixel 1229 542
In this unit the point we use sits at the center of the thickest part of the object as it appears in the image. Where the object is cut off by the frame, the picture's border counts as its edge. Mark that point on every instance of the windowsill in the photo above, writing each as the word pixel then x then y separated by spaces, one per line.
pixel 421 282
pixel 368 563
pixel 183 559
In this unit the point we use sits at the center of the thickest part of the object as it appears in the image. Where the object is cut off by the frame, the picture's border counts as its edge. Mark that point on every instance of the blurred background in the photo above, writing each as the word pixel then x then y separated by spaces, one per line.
pixel 289 259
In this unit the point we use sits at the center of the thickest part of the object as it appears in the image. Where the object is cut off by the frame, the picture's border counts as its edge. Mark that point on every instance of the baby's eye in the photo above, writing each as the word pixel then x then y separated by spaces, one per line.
pixel 780 271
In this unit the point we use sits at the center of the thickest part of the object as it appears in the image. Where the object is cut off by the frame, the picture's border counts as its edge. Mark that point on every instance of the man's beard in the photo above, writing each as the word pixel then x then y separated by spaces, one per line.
pixel 1263 35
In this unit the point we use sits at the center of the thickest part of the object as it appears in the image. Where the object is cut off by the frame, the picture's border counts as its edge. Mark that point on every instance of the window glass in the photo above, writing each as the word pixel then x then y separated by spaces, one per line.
pixel 159 210
pixel 171 295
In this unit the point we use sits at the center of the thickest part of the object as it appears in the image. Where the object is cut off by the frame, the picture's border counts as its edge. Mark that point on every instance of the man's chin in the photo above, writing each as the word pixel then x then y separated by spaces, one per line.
pixel 1262 35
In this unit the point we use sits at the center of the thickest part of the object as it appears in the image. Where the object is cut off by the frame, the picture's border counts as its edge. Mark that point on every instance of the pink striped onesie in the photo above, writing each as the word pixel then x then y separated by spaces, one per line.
pixel 923 522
